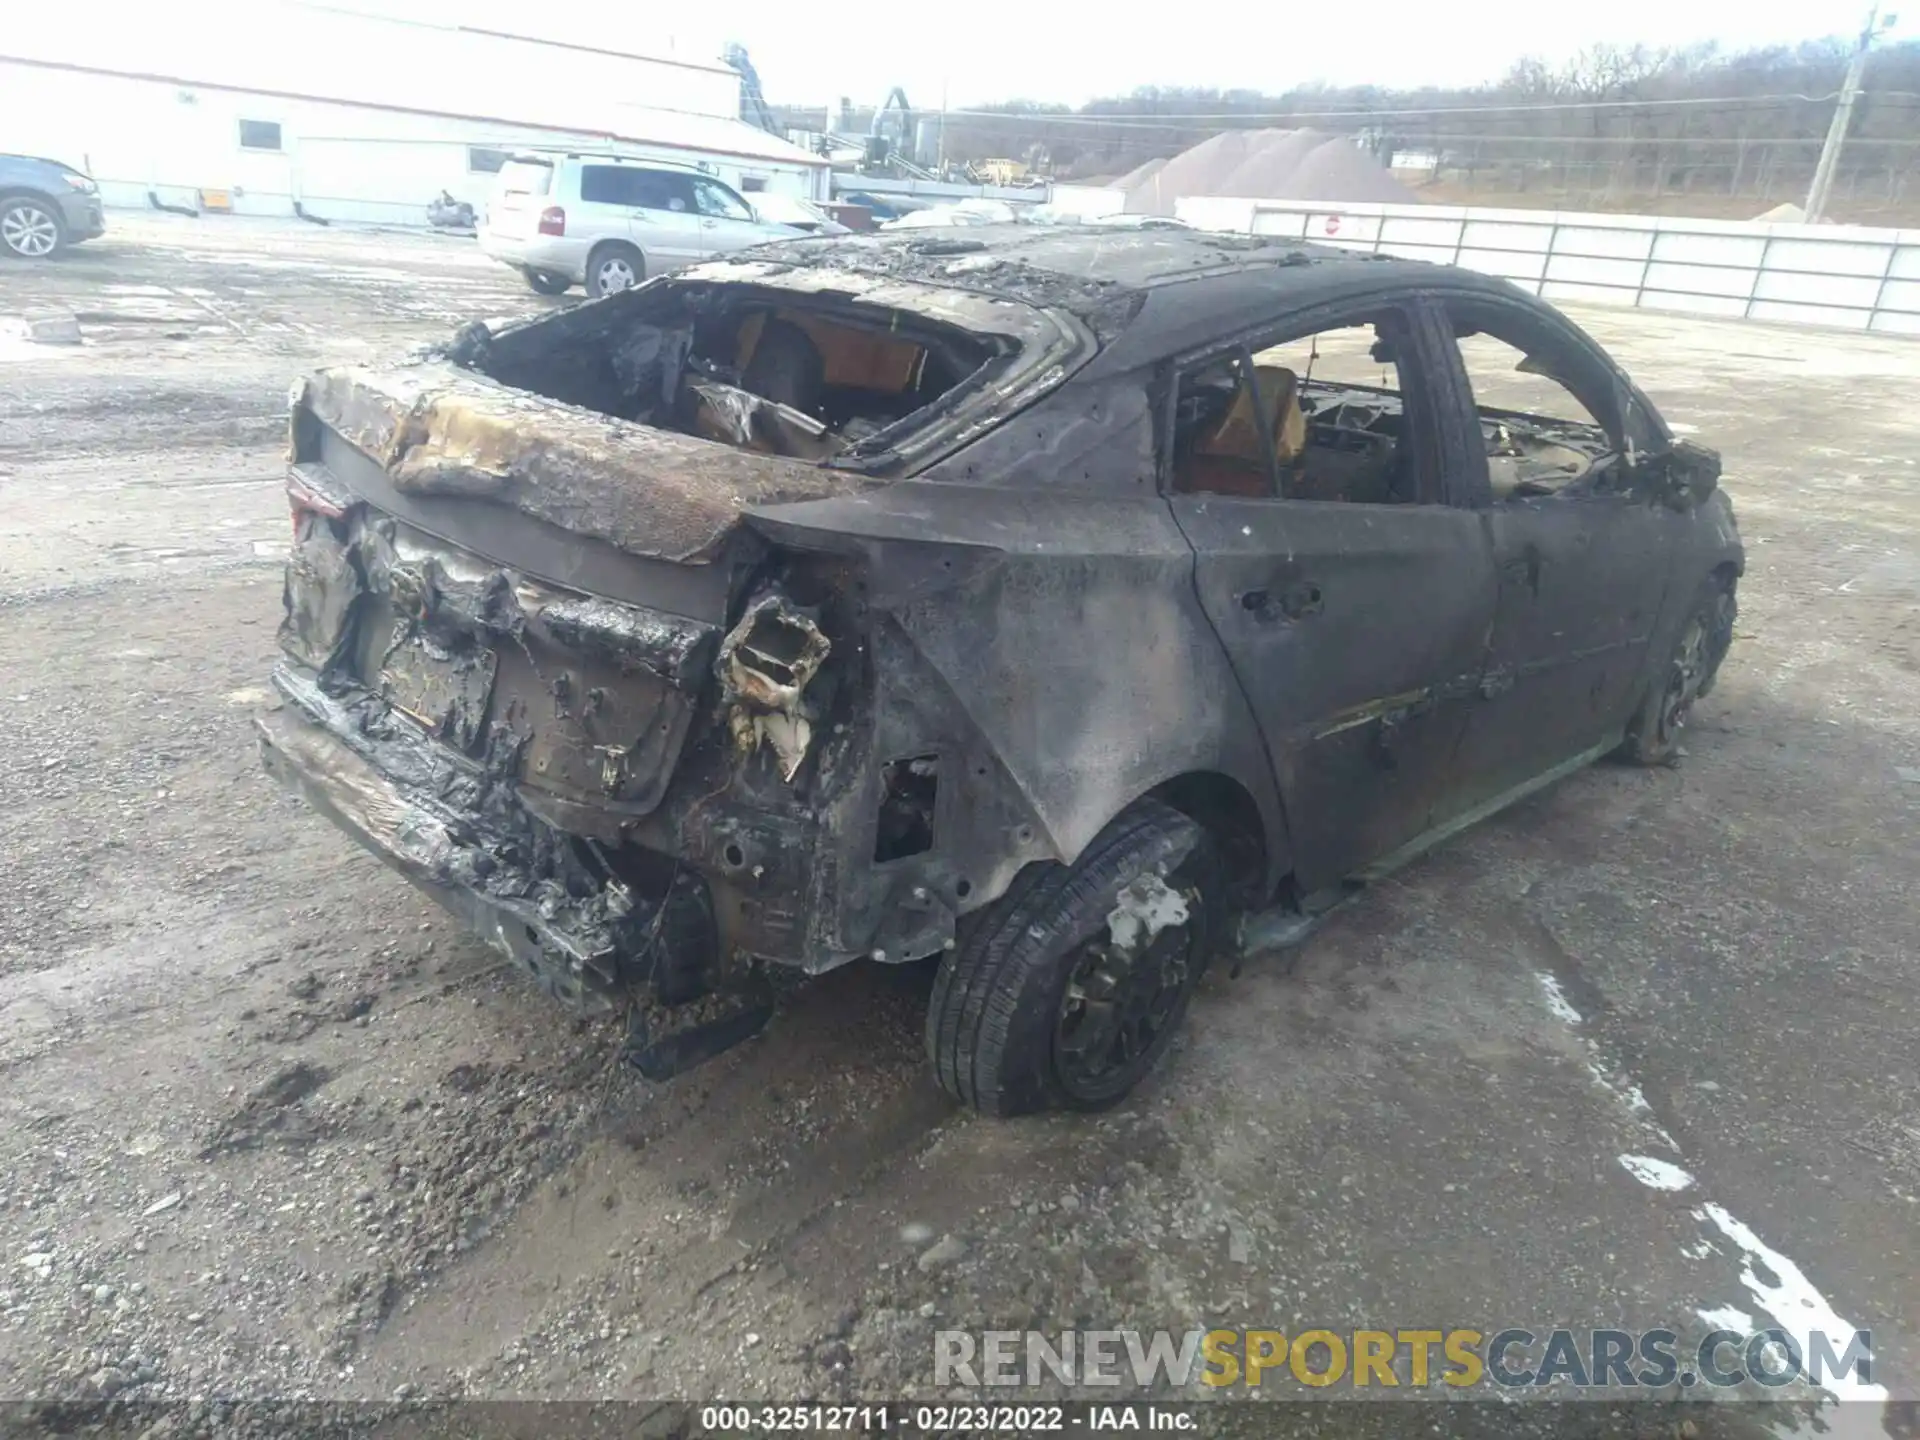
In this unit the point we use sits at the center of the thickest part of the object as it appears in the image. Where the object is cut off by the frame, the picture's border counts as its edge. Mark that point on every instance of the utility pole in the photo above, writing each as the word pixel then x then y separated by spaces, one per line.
pixel 940 166
pixel 1842 117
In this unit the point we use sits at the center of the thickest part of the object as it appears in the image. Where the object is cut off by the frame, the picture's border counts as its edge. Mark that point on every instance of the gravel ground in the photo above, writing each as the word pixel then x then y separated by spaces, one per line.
pixel 273 1127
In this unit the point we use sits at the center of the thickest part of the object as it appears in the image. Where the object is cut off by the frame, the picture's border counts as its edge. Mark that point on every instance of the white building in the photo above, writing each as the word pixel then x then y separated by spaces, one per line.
pixel 353 117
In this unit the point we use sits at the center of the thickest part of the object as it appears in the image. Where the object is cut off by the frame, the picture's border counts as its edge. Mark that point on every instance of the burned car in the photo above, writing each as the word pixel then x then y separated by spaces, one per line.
pixel 1069 607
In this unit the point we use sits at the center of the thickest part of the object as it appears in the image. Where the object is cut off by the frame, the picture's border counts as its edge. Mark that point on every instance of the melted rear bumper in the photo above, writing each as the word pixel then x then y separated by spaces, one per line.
pixel 447 827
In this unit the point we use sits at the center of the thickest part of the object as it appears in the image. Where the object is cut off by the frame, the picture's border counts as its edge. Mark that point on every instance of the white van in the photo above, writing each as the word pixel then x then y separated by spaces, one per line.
pixel 610 221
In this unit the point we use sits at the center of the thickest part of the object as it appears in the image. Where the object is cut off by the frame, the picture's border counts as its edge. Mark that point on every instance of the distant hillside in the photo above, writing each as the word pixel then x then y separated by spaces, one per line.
pixel 1610 125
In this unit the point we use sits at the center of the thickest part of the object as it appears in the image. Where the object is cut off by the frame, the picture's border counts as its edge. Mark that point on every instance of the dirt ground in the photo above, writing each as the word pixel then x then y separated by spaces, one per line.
pixel 272 1125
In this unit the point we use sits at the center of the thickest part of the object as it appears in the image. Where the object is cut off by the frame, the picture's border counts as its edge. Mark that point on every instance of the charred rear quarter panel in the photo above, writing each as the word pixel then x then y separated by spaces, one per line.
pixel 1051 646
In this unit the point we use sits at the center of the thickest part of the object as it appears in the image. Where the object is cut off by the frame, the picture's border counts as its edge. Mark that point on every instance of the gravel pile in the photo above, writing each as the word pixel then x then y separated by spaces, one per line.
pixel 1263 165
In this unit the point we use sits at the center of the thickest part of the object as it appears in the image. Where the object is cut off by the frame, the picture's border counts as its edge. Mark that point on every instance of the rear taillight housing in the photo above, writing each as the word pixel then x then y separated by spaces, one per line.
pixel 304 500
pixel 553 221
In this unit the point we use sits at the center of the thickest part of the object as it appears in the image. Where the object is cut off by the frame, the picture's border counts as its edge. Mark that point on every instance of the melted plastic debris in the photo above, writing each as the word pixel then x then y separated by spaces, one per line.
pixel 1143 909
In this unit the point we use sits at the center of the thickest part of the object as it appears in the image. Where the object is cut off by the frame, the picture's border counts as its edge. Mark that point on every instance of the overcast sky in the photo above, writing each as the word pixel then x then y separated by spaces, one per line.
pixel 985 50
pixel 969 51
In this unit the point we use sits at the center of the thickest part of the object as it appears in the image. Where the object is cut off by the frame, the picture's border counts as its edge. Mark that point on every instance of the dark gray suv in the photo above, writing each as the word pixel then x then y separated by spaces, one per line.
pixel 44 207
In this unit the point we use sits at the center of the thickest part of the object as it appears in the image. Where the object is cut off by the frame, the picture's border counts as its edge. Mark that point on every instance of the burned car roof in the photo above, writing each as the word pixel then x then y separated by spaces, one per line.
pixel 1010 258
pixel 1145 293
pixel 1031 309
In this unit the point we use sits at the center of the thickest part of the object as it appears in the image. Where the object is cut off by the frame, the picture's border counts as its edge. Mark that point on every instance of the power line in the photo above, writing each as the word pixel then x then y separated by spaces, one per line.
pixel 1152 118
pixel 1534 138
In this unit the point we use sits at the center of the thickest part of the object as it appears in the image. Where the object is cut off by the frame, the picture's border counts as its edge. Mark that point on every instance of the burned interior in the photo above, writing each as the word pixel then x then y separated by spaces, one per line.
pixel 1250 415
pixel 1323 417
pixel 1028 602
pixel 809 377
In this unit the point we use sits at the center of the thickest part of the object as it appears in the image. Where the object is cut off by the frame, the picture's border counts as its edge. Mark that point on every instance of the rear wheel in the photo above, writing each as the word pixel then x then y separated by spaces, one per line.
pixel 1069 989
pixel 612 268
pixel 30 228
pixel 546 282
pixel 1653 735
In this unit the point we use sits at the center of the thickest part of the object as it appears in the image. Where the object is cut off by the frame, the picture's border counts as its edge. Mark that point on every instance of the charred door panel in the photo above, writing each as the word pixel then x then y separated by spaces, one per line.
pixel 1359 633
pixel 1582 560
pixel 1581 581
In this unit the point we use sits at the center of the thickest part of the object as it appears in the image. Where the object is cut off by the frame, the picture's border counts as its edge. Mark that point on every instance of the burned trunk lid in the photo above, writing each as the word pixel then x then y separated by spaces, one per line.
pixel 540 588
pixel 436 432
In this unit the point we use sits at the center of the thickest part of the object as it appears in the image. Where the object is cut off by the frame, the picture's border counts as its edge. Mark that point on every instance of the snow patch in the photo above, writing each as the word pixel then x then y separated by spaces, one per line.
pixel 1787 1294
pixel 1656 1174
pixel 1791 1298
pixel 1557 998
pixel 1622 1087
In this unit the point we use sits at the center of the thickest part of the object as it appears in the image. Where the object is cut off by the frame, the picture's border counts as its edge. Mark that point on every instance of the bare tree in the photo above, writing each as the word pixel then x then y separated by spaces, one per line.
pixel 1614 124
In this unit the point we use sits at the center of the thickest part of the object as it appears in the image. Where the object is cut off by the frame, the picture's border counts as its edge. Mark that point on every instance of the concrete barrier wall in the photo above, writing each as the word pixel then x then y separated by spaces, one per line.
pixel 1089 202
pixel 1849 276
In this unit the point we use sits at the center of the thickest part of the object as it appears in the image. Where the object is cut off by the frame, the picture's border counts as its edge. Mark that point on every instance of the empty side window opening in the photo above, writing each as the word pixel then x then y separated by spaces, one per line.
pixel 1323 410
pixel 1547 407
pixel 780 374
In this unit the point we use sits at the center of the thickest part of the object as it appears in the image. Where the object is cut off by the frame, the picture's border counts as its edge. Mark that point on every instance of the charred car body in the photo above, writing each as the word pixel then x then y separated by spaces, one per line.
pixel 1002 597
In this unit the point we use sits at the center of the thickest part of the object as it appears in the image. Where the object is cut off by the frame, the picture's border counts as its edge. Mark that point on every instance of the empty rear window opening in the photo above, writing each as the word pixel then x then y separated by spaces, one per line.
pixel 1324 411
pixel 796 375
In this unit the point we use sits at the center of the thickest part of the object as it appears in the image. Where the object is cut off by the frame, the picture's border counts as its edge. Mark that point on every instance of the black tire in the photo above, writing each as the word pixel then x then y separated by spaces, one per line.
pixel 28 222
pixel 609 264
pixel 1686 673
pixel 1002 1022
pixel 546 282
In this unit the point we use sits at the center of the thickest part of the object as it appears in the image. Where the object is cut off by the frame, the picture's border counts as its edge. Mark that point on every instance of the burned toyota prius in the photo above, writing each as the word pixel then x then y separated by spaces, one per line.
pixel 1073 608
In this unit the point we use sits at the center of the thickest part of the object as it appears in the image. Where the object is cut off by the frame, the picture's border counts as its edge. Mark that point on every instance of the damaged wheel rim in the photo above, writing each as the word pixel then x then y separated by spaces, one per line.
pixel 1684 680
pixel 1118 1004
